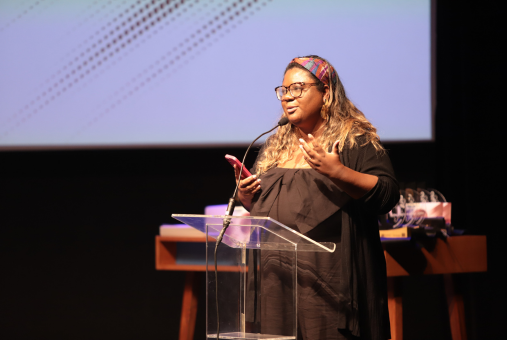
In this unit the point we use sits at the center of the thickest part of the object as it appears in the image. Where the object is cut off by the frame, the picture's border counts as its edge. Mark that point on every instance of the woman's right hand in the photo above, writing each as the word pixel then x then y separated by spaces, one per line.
pixel 248 187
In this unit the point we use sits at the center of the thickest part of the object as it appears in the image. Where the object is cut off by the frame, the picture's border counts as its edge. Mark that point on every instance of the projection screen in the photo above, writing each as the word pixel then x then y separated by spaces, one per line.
pixel 87 73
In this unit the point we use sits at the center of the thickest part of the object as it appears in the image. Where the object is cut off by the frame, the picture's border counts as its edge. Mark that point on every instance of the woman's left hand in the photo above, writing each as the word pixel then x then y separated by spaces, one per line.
pixel 354 183
pixel 326 163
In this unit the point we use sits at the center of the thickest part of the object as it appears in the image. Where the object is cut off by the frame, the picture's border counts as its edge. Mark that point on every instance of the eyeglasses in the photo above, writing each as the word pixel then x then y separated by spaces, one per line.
pixel 295 89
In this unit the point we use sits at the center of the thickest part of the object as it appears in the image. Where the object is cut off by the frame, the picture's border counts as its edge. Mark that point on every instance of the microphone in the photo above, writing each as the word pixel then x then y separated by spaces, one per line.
pixel 283 121
pixel 232 201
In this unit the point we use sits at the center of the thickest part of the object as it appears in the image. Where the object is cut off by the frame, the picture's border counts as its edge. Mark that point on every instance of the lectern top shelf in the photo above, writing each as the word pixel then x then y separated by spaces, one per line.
pixel 252 232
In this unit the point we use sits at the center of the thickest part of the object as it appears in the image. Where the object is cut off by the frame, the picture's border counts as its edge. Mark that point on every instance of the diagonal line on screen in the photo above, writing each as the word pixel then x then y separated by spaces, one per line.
pixel 180 55
pixel 27 10
pixel 152 34
pixel 69 34
pixel 109 50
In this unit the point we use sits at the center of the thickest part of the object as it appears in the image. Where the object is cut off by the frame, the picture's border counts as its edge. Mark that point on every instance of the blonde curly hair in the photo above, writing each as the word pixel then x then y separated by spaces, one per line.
pixel 344 122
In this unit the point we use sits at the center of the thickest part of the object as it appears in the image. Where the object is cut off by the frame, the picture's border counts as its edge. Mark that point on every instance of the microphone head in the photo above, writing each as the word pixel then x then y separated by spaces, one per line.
pixel 283 121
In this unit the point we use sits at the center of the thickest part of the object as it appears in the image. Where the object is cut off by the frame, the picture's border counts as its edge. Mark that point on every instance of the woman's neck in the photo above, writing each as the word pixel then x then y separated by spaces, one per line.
pixel 297 161
pixel 316 131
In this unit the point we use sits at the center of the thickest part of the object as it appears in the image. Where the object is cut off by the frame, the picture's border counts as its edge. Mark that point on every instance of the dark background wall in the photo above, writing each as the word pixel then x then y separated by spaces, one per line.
pixel 77 228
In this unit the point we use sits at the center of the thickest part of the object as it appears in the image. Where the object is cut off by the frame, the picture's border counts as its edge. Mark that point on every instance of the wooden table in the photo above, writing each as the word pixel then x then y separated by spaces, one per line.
pixel 457 254
pixel 165 259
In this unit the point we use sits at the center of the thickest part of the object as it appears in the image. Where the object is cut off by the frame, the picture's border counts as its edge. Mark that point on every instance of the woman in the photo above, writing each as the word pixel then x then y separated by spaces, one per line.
pixel 326 175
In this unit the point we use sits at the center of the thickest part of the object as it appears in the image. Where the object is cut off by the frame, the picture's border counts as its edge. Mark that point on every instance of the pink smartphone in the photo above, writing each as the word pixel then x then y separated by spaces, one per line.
pixel 234 161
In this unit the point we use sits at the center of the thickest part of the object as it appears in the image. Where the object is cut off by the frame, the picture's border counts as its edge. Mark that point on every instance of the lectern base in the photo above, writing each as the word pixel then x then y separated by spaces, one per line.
pixel 250 336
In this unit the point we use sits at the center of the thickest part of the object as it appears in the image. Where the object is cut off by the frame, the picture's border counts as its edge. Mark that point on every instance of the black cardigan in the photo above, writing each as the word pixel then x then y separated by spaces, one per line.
pixel 363 287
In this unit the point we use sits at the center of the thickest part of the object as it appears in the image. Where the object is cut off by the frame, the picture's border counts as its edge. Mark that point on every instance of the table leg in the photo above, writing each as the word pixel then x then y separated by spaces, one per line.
pixel 395 307
pixel 189 306
pixel 456 309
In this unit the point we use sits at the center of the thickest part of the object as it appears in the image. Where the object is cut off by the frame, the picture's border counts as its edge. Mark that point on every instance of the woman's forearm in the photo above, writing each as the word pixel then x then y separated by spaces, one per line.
pixel 355 184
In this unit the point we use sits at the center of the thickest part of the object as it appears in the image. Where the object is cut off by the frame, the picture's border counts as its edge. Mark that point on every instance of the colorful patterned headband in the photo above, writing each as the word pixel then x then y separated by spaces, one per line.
pixel 319 68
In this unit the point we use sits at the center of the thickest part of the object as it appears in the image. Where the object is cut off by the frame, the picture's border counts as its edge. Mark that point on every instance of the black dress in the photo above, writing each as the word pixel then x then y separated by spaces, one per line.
pixel 341 295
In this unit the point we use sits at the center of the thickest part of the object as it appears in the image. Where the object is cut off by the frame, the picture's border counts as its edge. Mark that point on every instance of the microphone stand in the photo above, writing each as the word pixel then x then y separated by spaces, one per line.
pixel 230 209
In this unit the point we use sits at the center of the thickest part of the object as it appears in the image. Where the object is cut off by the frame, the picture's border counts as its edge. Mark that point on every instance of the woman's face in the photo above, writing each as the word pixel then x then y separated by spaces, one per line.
pixel 303 111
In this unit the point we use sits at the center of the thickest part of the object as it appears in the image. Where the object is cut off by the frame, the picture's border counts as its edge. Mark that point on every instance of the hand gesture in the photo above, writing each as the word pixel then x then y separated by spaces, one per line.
pixel 326 163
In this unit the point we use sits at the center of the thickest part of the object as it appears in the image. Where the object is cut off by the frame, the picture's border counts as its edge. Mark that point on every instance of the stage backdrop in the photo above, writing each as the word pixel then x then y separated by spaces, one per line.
pixel 200 72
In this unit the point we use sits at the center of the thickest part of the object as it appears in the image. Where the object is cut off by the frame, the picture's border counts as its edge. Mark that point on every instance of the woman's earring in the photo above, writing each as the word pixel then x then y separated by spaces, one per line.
pixel 324 110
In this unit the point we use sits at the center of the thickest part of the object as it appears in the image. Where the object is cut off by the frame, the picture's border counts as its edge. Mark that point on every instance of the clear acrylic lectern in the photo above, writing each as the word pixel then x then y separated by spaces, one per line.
pixel 257 278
